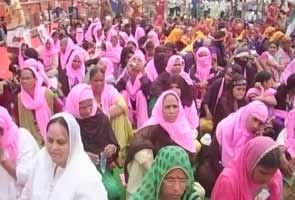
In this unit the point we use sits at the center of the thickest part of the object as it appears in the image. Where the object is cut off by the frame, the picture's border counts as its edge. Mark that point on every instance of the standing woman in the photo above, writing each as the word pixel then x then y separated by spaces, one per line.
pixel 58 173
pixel 35 104
pixel 17 152
pixel 113 105
pixel 253 175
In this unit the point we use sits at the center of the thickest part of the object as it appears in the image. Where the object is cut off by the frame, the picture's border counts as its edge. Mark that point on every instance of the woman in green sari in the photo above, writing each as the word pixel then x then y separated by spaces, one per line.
pixel 169 178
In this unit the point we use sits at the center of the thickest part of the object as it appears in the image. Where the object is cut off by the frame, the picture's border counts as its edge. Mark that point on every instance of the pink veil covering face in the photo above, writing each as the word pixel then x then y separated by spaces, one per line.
pixel 10 138
pixel 203 64
pixel 182 73
pixel 77 94
pixel 231 132
pixel 179 131
pixel 37 103
pixel 109 97
pixel 239 173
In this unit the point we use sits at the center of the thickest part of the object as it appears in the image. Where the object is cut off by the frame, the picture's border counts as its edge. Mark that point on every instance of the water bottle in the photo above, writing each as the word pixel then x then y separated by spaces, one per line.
pixel 103 162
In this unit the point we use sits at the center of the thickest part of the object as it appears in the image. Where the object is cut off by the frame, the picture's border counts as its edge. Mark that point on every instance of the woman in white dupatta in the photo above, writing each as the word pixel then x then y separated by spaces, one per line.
pixel 63 170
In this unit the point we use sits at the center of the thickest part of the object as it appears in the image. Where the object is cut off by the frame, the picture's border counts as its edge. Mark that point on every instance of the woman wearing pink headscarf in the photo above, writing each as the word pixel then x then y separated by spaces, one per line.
pixel 108 67
pixel 66 49
pixel 113 104
pixel 133 85
pixel 232 133
pixel 49 56
pixel 253 175
pixel 167 126
pixel 56 41
pixel 290 69
pixel 153 36
pixel 35 104
pixel 21 54
pixel 139 33
pixel 17 152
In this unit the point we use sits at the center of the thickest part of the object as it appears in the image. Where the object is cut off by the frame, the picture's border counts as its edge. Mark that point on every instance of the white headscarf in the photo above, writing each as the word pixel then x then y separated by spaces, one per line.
pixel 79 173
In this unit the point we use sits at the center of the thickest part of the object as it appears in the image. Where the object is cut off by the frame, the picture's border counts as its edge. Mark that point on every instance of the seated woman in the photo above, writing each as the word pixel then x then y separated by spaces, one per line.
pixel 170 177
pixel 186 95
pixel 231 100
pixel 74 72
pixel 134 86
pixel 17 152
pixel 113 104
pixel 167 126
pixel 253 175
pixel 49 56
pixel 232 133
pixel 57 173
pixel 35 104
pixel 269 62
pixel 96 131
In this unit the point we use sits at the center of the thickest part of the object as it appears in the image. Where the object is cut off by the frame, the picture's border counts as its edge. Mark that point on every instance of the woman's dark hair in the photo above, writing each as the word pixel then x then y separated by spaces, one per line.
pixel 24 44
pixel 237 80
pixel 187 95
pixel 94 71
pixel 124 56
pixel 262 76
pixel 59 120
pixel 275 43
pixel 28 69
pixel 236 68
pixel 291 82
pixel 31 53
pixel 271 159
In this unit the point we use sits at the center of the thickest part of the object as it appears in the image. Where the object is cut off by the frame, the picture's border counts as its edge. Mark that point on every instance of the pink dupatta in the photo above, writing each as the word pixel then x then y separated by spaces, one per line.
pixel 153 36
pixel 179 131
pixel 37 103
pixel 77 94
pixel 109 97
pixel 203 64
pixel 47 54
pixel 77 74
pixel 10 138
pixel 290 69
pixel 231 132
pixel 65 56
pixel 182 73
pixel 239 173
pixel 139 33
pixel 151 71
pixel 290 128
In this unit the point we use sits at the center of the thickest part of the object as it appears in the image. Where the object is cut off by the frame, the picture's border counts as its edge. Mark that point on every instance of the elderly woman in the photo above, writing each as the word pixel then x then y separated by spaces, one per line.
pixel 232 133
pixel 17 152
pixel 170 177
pixel 254 175
pixel 167 126
pixel 57 172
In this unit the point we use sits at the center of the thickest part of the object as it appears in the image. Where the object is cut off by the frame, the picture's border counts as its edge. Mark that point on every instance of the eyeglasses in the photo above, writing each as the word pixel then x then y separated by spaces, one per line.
pixel 172 181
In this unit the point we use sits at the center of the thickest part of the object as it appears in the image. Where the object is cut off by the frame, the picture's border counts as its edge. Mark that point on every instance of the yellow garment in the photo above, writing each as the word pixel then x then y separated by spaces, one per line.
pixel 198 36
pixel 269 31
pixel 277 36
pixel 206 126
pixel 26 117
pixel 174 36
pixel 14 15
pixel 241 36
pixel 122 128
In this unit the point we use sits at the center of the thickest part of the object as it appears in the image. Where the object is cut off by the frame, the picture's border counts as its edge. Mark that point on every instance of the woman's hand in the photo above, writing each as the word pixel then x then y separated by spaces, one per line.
pixel 110 150
pixel 286 166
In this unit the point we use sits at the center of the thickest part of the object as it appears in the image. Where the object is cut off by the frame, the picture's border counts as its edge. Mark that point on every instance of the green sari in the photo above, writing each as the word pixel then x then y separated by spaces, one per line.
pixel 169 157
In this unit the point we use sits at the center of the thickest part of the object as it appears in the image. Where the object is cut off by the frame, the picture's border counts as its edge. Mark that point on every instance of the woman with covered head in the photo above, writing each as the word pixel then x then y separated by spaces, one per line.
pixel 49 55
pixel 113 104
pixel 167 126
pixel 170 177
pixel 17 152
pixel 74 72
pixel 254 174
pixel 134 86
pixel 232 133
pixel 96 131
pixel 57 171
pixel 35 104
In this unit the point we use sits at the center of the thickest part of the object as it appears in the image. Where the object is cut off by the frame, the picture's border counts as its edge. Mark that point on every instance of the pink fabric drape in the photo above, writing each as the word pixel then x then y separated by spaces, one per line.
pixel 151 71
pixel 109 97
pixel 290 69
pixel 179 131
pixel 238 176
pixel 47 54
pixel 231 132
pixel 203 64
pixel 153 36
pixel 290 128
pixel 10 138
pixel 139 33
pixel 37 103
pixel 64 56
pixel 182 73
pixel 77 94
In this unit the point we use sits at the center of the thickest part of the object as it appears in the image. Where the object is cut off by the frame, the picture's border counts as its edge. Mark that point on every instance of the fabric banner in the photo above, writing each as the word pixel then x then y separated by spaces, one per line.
pixel 42 33
pixel 17 36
